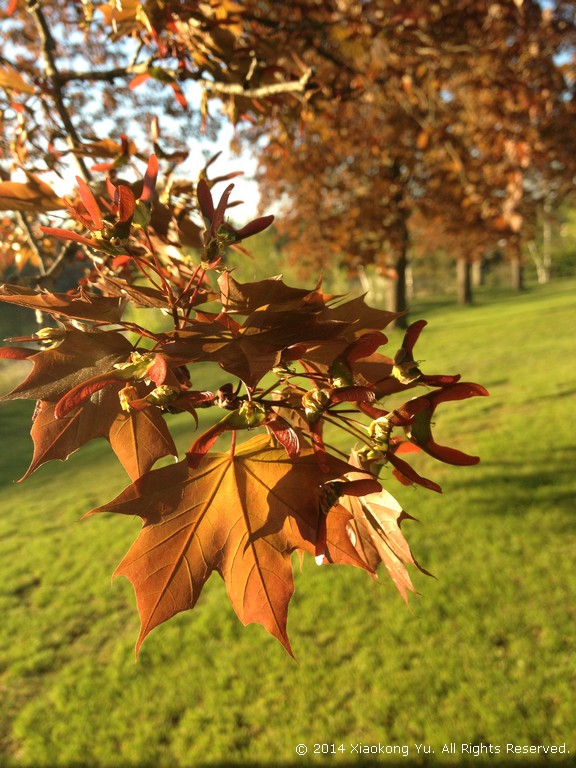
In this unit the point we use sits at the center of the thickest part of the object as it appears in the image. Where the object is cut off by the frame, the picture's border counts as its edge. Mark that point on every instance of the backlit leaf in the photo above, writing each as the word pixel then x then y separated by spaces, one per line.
pixel 241 516
pixel 375 532
pixel 13 80
pixel 138 438
pixel 80 356
pixel 31 195
pixel 82 307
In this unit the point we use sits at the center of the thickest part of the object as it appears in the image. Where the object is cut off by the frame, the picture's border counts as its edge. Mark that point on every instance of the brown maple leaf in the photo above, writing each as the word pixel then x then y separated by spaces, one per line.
pixel 360 315
pixel 252 349
pixel 79 356
pixel 138 438
pixel 245 298
pixel 81 306
pixel 241 515
pixel 32 195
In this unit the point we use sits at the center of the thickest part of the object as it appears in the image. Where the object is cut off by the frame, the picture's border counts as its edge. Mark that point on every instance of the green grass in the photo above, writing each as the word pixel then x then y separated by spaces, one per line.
pixel 485 653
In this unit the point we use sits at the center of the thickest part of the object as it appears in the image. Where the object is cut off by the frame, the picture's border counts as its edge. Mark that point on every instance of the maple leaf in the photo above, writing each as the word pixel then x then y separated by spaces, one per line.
pixel 138 438
pixel 244 298
pixel 241 515
pixel 80 356
pixel 362 316
pixel 13 80
pixel 81 307
pixel 255 351
pixel 106 148
pixel 31 195
pixel 139 295
pixel 252 349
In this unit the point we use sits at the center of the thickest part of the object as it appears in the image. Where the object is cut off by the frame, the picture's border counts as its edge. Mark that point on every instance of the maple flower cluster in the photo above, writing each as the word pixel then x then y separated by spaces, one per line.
pixel 297 373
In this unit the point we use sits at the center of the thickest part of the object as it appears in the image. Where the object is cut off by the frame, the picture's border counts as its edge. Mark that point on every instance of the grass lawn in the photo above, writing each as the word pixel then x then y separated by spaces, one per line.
pixel 483 656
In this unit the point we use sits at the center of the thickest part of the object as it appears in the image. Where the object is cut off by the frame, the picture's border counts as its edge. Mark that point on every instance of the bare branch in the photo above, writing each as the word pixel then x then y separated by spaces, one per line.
pixel 260 92
pixel 106 75
pixel 210 86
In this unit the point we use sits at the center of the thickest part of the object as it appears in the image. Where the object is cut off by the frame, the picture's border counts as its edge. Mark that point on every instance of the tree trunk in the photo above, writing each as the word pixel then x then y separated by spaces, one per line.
pixel 410 290
pixel 478 273
pixel 517 273
pixel 541 254
pixel 544 271
pixel 464 281
pixel 397 301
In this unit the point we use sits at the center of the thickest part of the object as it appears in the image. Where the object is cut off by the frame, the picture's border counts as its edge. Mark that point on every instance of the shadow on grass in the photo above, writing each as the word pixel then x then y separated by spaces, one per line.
pixel 513 485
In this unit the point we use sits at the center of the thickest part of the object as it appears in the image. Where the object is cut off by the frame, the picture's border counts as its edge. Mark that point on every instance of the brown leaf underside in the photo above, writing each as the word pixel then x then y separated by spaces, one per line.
pixel 383 542
pixel 377 535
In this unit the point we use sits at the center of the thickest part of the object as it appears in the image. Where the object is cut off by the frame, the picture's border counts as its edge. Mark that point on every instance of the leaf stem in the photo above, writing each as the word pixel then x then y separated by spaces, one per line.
pixel 197 277
pixel 166 288
pixel 346 426
pixel 269 389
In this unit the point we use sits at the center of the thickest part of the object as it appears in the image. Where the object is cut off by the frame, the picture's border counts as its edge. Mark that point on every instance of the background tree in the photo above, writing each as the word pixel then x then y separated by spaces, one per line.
pixel 460 100
pixel 464 107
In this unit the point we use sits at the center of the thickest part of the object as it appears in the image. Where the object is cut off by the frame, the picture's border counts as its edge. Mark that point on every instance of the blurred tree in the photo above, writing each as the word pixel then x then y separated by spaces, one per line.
pixel 459 110
pixel 362 112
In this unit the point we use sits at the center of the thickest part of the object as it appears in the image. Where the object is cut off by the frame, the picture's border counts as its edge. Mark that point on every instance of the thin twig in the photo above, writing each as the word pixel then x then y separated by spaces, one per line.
pixel 27 227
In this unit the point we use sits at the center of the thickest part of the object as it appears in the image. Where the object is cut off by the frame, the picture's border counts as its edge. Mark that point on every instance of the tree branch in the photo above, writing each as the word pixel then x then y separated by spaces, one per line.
pixel 106 75
pixel 48 48
pixel 259 92
pixel 27 227
pixel 211 86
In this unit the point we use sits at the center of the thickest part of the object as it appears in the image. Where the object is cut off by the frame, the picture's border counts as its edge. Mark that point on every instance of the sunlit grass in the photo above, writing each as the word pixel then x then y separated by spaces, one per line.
pixel 485 654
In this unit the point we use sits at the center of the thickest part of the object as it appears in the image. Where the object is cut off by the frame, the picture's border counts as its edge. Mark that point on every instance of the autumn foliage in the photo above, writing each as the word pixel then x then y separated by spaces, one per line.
pixel 291 445
pixel 306 416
